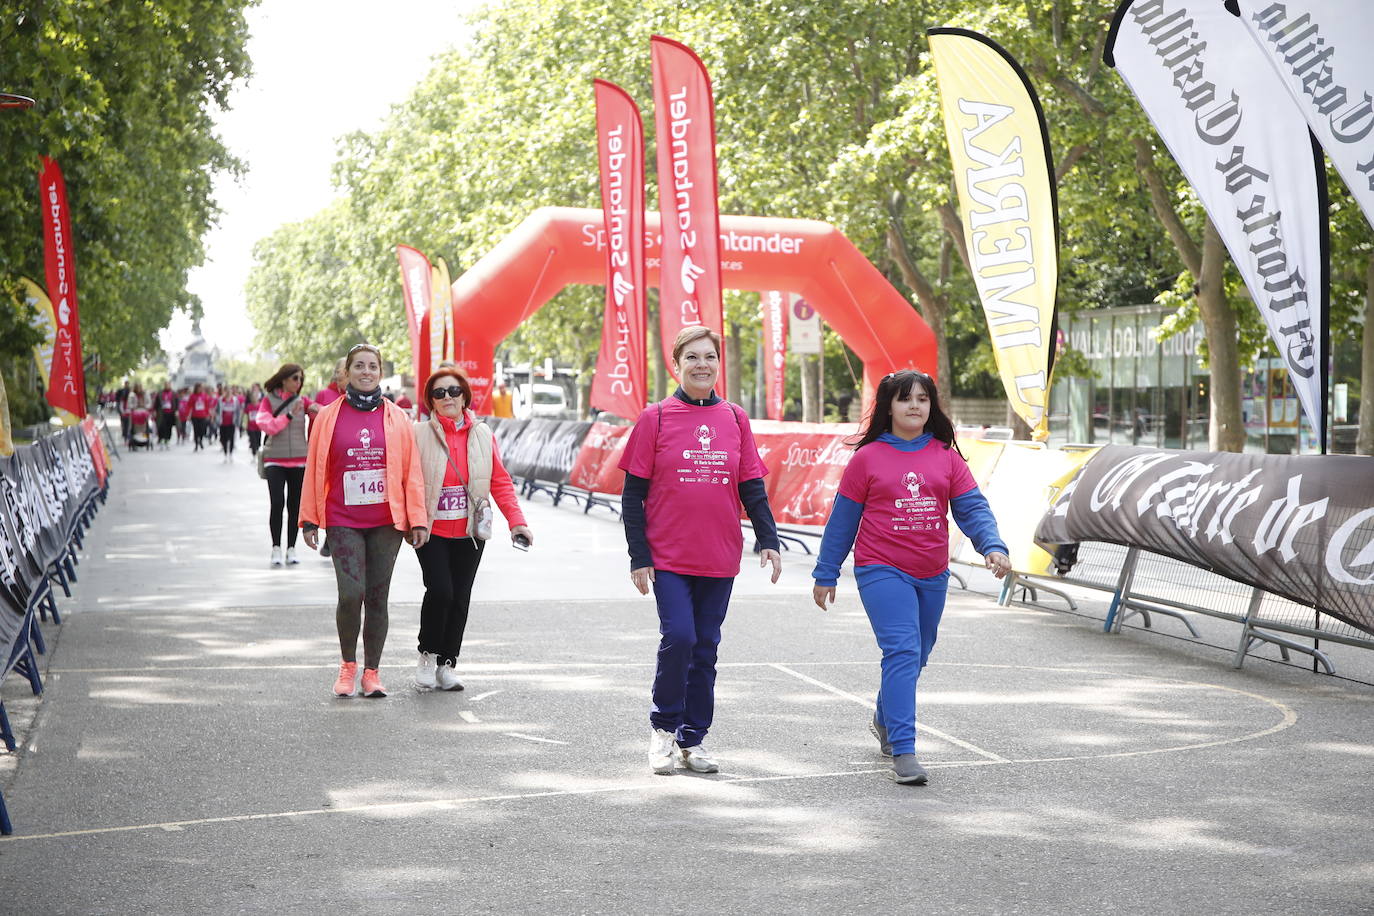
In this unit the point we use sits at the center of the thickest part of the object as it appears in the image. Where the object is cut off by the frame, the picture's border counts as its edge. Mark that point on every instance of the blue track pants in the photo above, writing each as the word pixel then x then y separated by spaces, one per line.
pixel 905 614
pixel 691 610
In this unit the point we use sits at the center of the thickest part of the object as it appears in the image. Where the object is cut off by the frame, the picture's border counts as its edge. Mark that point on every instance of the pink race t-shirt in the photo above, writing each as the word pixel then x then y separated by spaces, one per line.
pixel 228 407
pixel 357 470
pixel 694 459
pixel 906 497
pixel 200 405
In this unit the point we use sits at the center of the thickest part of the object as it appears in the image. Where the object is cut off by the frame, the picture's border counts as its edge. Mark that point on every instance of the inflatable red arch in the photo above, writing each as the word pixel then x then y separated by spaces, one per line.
pixel 558 246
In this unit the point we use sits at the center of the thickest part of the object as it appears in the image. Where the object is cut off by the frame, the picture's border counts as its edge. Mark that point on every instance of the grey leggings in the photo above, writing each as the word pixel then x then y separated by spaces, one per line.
pixel 363 560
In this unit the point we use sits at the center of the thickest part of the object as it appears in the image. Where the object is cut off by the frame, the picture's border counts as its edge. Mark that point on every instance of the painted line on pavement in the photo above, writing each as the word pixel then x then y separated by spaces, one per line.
pixel 468 716
pixel 868 704
pixel 483 696
pixel 438 804
pixel 532 738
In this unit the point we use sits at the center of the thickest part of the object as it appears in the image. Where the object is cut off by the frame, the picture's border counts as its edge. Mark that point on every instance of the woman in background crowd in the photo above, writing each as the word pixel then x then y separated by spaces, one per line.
pixel 335 389
pixel 462 470
pixel 364 486
pixel 690 464
pixel 250 415
pixel 229 411
pixel 200 414
pixel 906 476
pixel 166 406
pixel 183 413
pixel 281 416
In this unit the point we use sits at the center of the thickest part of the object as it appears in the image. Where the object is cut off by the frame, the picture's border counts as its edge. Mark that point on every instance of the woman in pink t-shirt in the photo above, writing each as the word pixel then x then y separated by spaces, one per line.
pixel 905 478
pixel 690 464
pixel 462 467
pixel 364 487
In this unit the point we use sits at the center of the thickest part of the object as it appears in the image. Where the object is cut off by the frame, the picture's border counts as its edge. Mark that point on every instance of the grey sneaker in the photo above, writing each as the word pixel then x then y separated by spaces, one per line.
pixel 698 759
pixel 426 671
pixel 880 732
pixel 906 771
pixel 662 751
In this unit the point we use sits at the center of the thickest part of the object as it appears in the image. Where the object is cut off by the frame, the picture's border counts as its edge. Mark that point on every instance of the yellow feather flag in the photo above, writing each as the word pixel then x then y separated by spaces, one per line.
pixel 46 323
pixel 1000 153
pixel 443 305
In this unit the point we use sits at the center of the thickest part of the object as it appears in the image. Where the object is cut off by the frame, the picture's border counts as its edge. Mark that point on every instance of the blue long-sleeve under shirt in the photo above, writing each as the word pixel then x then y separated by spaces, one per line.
pixel 971 513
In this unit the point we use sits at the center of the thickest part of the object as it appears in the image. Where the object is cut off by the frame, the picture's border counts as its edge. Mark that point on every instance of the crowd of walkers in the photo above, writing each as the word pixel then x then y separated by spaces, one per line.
pixel 356 475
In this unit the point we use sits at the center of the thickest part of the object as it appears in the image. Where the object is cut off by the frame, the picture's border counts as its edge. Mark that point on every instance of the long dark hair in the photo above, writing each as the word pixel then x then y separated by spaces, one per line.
pixel 282 374
pixel 899 385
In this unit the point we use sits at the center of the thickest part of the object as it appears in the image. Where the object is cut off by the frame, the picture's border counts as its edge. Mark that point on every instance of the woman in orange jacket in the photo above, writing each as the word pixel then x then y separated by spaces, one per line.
pixel 365 487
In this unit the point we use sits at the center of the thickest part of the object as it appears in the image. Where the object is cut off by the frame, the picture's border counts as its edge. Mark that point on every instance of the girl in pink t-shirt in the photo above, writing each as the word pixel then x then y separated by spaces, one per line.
pixel 896 493
pixel 690 464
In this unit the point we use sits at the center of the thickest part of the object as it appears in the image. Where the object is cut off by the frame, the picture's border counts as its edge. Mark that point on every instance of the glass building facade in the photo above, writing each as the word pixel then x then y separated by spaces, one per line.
pixel 1142 391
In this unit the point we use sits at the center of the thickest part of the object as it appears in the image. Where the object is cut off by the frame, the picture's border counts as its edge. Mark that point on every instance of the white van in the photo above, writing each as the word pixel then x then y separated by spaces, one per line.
pixel 548 401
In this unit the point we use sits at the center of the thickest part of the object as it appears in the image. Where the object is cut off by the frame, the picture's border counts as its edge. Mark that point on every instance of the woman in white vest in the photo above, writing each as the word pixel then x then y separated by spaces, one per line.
pixel 463 475
pixel 281 415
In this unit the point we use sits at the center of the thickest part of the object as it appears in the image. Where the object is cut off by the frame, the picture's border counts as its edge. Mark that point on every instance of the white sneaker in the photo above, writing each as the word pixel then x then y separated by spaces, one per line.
pixel 424 671
pixel 698 759
pixel 447 677
pixel 291 559
pixel 276 558
pixel 662 750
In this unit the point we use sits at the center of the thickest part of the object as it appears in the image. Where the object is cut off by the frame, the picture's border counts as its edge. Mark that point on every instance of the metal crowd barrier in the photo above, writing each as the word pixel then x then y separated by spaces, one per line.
pixel 1145 585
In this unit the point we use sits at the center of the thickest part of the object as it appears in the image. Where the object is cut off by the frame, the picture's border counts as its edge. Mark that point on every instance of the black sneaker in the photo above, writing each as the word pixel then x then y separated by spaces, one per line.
pixel 880 732
pixel 906 771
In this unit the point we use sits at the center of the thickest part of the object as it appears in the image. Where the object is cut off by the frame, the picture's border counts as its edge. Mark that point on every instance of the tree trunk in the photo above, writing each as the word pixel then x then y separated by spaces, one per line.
pixel 811 388
pixel 658 372
pixel 932 305
pixel 1225 425
pixel 1364 443
pixel 734 365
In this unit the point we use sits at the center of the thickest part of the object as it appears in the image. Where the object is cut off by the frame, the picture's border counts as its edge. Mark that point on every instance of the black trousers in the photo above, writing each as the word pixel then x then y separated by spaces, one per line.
pixel 226 438
pixel 449 566
pixel 254 440
pixel 201 426
pixel 284 490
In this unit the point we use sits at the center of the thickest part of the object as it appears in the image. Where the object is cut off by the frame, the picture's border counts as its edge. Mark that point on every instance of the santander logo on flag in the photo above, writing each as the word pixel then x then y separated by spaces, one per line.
pixel 64 311
pixel 620 288
pixel 690 274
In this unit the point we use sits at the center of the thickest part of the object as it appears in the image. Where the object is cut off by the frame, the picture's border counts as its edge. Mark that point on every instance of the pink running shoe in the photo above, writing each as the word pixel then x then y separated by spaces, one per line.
pixel 348 673
pixel 372 683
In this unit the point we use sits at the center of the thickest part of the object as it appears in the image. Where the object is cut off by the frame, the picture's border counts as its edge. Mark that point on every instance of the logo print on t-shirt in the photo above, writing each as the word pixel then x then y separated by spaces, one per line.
pixel 365 436
pixel 913 483
pixel 916 512
pixel 704 435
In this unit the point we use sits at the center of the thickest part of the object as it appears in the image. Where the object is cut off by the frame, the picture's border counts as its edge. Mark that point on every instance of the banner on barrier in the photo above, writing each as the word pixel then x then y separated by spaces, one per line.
pixel 597 467
pixel 1245 148
pixel 805 462
pixel 1298 526
pixel 1320 50
pixel 685 136
pixel 1000 152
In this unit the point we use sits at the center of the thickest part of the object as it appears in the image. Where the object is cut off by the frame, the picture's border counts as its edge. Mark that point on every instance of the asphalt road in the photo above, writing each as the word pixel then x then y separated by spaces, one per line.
pixel 188 757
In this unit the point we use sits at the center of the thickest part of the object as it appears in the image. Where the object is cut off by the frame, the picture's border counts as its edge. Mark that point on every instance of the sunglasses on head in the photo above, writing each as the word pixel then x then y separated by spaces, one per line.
pixel 360 347
pixel 452 391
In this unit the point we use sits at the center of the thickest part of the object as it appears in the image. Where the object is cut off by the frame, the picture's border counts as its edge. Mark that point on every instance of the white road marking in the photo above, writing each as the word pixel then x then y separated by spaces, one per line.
pixel 532 738
pixel 468 716
pixel 868 704
pixel 483 696
pixel 656 783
